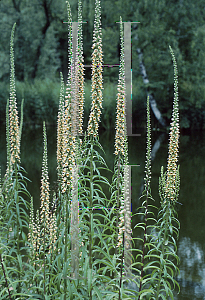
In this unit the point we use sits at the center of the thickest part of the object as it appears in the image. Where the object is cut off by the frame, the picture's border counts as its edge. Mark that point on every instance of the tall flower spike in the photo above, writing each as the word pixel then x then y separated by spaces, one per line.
pixel 81 68
pixel 121 142
pixel 121 120
pixel 97 79
pixel 8 162
pixel 148 152
pixel 60 127
pixel 45 192
pixel 7 137
pixel 77 80
pixel 172 172
pixel 69 141
pixel 74 93
pixel 13 113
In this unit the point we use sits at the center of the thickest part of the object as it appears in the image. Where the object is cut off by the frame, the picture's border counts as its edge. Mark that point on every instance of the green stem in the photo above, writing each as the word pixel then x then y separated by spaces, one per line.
pixel 90 215
pixel 17 222
pixel 66 244
pixel 123 253
pixel 44 252
pixel 118 206
pixel 143 254
pixel 163 248
pixel 36 267
pixel 51 255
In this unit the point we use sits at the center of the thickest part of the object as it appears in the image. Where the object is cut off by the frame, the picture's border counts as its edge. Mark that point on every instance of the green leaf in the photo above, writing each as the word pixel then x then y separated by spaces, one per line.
pixel 97 291
pixel 89 280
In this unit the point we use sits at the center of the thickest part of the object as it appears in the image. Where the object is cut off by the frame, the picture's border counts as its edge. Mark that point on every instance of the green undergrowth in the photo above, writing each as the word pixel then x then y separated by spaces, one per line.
pixel 41 102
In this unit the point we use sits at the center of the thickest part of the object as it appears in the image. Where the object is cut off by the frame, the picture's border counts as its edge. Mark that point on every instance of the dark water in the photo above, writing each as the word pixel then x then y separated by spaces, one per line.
pixel 191 214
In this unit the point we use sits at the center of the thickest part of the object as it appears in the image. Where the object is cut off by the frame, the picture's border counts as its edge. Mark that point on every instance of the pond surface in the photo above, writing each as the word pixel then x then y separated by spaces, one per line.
pixel 191 211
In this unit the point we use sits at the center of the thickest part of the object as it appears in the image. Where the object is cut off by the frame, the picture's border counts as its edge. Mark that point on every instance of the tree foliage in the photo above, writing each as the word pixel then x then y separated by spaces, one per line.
pixel 41 46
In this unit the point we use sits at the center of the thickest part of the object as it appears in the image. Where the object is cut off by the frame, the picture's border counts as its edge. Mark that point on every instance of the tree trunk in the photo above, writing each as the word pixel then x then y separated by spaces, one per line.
pixel 152 101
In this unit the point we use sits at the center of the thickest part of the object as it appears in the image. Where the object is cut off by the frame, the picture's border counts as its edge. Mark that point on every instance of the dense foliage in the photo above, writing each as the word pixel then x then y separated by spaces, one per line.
pixel 41 54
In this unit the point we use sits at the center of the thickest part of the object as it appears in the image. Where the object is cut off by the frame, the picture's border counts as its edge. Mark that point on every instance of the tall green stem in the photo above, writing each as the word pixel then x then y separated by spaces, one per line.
pixel 66 245
pixel 91 215
pixel 162 252
pixel 121 268
pixel 16 199
pixel 44 254
pixel 147 188
pixel 118 202
pixel 143 254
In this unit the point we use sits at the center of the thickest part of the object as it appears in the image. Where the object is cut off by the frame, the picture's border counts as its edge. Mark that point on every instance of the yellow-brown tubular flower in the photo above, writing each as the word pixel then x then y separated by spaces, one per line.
pixel 97 79
pixel 172 173
pixel 13 113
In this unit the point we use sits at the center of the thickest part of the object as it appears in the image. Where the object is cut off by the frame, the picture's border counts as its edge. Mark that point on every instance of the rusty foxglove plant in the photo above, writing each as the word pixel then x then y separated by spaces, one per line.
pixel 82 247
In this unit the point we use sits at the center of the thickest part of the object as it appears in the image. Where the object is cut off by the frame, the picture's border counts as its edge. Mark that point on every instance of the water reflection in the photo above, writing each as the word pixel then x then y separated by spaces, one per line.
pixel 192 269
